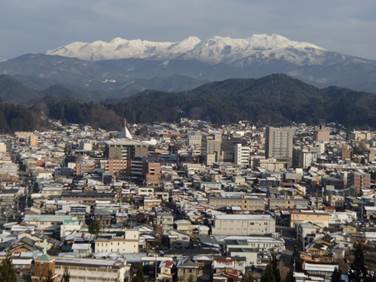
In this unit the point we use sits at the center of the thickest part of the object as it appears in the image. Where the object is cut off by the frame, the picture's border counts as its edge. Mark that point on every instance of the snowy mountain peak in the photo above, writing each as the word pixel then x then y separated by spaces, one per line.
pixel 217 49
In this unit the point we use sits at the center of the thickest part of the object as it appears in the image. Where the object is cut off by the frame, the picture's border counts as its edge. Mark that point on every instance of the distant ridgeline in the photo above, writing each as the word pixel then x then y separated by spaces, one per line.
pixel 274 99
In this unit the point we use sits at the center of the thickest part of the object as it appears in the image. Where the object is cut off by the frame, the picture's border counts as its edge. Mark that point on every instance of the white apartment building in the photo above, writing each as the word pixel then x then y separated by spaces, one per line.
pixel 260 243
pixel 242 155
pixel 129 244
pixel 92 270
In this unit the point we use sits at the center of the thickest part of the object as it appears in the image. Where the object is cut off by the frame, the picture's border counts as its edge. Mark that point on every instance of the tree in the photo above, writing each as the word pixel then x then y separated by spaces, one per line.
pixel 290 276
pixel 276 272
pixel 248 277
pixel 66 276
pixel 336 276
pixel 268 275
pixel 50 276
pixel 370 278
pixel 94 226
pixel 358 271
pixel 138 274
pixel 7 271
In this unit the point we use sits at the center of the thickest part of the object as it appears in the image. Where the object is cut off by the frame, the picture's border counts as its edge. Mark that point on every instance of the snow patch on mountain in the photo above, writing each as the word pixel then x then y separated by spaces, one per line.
pixel 213 50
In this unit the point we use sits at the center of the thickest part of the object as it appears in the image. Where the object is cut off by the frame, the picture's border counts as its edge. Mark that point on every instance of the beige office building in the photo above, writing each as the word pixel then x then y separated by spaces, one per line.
pixel 243 224
pixel 279 143
pixel 319 218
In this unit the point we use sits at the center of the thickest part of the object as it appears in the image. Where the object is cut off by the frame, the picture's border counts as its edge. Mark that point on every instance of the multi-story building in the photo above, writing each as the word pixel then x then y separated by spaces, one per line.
pixel 287 203
pixel 359 181
pixel 241 155
pixel 362 135
pixel 303 157
pixel 194 140
pixel 122 245
pixel 260 243
pixel 29 137
pixel 279 143
pixel 91 270
pixel 245 203
pixel 243 224
pixel 145 171
pixel 322 134
pixel 152 173
pixel 211 148
pixel 125 149
pixel 346 152
pixel 116 166
pixel 319 218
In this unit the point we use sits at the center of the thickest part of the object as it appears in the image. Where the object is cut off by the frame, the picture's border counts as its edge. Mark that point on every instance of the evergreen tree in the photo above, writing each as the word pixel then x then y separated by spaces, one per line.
pixel 66 276
pixel 370 278
pixel 138 274
pixel 248 277
pixel 94 226
pixel 336 276
pixel 7 271
pixel 358 271
pixel 268 275
pixel 290 276
pixel 276 272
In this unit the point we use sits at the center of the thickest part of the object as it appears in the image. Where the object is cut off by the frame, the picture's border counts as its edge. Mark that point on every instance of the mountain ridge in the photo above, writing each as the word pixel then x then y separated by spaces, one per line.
pixel 330 68
pixel 276 99
pixel 217 49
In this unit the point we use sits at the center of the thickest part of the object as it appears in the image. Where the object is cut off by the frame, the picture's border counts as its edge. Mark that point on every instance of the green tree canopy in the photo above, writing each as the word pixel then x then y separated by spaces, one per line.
pixel 290 276
pixel 336 276
pixel 268 275
pixel 7 271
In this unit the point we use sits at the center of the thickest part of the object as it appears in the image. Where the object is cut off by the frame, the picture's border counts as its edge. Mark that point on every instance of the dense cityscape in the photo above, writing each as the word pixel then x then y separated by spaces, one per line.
pixel 188 201
pixel 187 141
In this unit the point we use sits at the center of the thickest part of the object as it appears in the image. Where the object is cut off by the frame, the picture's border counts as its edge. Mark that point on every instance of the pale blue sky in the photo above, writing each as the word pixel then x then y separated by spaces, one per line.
pixel 26 26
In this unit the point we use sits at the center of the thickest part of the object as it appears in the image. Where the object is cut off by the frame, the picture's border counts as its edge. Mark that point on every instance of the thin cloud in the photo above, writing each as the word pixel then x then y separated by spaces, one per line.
pixel 35 26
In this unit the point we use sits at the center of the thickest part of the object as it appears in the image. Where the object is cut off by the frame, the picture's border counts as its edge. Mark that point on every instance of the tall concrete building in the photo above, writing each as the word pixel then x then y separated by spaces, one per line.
pixel 346 152
pixel 360 181
pixel 125 149
pixel 211 148
pixel 279 143
pixel 304 157
pixel 120 152
pixel 194 139
pixel 242 155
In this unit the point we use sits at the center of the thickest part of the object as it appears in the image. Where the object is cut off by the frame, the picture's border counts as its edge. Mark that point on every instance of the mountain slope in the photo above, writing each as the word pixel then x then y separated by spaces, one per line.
pixel 97 80
pixel 274 99
pixel 19 118
pixel 13 91
pixel 220 58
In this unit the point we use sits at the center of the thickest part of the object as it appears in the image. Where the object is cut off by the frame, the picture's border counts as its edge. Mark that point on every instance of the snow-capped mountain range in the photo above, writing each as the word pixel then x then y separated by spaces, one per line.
pixel 128 66
pixel 214 50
